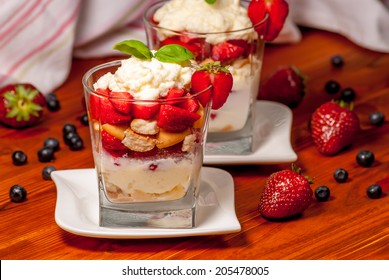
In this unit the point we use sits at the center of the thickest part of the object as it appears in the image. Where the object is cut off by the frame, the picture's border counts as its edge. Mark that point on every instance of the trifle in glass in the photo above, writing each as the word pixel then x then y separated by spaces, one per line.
pixel 223 32
pixel 148 132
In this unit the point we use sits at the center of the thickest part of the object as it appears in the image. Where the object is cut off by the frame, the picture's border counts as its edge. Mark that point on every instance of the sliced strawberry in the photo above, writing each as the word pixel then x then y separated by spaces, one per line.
pixel 21 105
pixel 190 104
pixel 175 119
pixel 101 108
pixel 120 101
pixel 216 75
pixel 145 111
pixel 247 47
pixel 111 143
pixel 197 46
pixel 175 93
pixel 277 11
pixel 226 52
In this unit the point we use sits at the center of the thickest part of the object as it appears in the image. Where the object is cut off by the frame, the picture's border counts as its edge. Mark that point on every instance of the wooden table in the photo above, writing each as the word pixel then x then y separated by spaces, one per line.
pixel 348 226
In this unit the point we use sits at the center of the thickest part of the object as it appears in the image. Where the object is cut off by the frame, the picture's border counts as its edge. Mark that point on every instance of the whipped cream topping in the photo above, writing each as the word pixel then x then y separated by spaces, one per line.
pixel 145 79
pixel 201 17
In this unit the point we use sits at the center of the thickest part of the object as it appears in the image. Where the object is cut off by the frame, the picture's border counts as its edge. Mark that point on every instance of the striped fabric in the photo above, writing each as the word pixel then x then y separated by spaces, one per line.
pixel 39 38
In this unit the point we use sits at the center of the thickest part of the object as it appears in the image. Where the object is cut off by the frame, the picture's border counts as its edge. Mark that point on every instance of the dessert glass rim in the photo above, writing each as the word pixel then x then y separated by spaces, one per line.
pixel 118 62
pixel 146 17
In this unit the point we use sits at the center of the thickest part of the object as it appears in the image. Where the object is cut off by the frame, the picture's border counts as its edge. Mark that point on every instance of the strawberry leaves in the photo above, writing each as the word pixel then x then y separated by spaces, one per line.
pixel 172 53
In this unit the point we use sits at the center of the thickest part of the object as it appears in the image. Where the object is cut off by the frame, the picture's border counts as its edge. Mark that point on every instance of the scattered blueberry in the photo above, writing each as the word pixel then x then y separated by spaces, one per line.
pixel 322 193
pixel 347 94
pixel 374 191
pixel 46 172
pixel 45 154
pixel 52 102
pixel 68 128
pixel 17 193
pixel 377 118
pixel 52 143
pixel 19 158
pixel 332 87
pixel 365 158
pixel 76 143
pixel 337 61
pixel 68 136
pixel 340 175
pixel 84 119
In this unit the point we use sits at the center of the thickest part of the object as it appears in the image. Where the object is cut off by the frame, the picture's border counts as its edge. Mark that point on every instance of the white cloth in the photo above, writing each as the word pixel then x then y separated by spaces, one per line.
pixel 39 38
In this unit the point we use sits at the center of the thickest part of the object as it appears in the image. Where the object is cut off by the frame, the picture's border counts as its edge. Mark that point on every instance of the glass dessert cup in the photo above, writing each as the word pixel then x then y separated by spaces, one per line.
pixel 147 177
pixel 233 124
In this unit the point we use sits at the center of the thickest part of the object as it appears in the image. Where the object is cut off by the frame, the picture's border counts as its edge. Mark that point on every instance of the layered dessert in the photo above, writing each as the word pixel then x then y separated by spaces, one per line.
pixel 220 31
pixel 147 129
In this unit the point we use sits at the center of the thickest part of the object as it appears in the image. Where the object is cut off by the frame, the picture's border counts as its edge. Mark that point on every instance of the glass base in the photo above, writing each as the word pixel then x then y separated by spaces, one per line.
pixel 170 214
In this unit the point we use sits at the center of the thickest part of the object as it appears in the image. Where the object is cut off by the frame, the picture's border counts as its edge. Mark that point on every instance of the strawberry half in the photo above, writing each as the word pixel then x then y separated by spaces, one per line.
pixel 334 126
pixel 120 101
pixel 175 119
pixel 101 108
pixel 214 75
pixel 226 52
pixel 21 105
pixel 286 194
pixel 277 11
pixel 286 85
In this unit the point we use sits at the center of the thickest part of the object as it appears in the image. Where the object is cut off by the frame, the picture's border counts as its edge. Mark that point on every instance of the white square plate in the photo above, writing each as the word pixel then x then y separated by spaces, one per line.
pixel 77 209
pixel 273 123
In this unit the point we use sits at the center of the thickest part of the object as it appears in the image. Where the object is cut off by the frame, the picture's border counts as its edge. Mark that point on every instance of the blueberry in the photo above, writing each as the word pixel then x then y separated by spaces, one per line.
pixel 53 105
pixel 68 136
pixel 76 143
pixel 19 158
pixel 46 172
pixel 340 175
pixel 365 158
pixel 374 191
pixel 68 127
pixel 84 119
pixel 51 96
pixel 45 154
pixel 17 193
pixel 52 143
pixel 337 61
pixel 322 193
pixel 332 87
pixel 347 94
pixel 377 118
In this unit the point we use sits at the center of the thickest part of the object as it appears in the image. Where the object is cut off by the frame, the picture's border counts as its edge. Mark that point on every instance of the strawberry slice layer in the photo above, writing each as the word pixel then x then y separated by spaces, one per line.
pixel 277 11
pixel 175 119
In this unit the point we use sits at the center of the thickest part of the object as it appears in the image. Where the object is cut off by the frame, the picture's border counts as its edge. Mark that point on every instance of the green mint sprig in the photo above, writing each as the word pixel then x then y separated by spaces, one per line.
pixel 210 1
pixel 172 53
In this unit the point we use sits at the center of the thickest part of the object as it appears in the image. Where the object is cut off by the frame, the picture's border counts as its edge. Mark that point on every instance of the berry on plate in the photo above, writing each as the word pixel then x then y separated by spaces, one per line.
pixel 334 126
pixel 217 79
pixel 277 11
pixel 286 194
pixel 21 105
pixel 286 85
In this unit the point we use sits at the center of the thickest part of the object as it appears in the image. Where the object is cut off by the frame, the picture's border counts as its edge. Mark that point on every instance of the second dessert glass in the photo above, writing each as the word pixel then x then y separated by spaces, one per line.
pixel 241 50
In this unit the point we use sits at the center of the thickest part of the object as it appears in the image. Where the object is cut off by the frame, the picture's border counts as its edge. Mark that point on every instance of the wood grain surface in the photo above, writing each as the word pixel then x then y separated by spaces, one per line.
pixel 348 226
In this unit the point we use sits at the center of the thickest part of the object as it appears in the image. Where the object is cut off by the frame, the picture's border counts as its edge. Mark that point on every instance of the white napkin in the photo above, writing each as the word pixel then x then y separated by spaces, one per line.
pixel 38 39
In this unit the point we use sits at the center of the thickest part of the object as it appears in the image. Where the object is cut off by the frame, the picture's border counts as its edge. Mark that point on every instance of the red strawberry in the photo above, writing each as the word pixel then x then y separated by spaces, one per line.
pixel 175 119
pixel 21 105
pixel 111 143
pixel 225 52
pixel 120 101
pixel 197 46
pixel 190 104
pixel 277 11
pixel 286 85
pixel 286 194
pixel 218 77
pixel 175 93
pixel 334 126
pixel 145 111
pixel 101 108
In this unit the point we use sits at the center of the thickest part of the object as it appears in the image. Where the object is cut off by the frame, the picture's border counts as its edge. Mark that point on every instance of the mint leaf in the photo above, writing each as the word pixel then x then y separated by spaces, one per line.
pixel 210 1
pixel 135 48
pixel 173 53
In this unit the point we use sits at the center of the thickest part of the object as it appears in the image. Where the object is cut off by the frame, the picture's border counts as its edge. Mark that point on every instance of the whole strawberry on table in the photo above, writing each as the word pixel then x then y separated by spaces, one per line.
pixel 21 105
